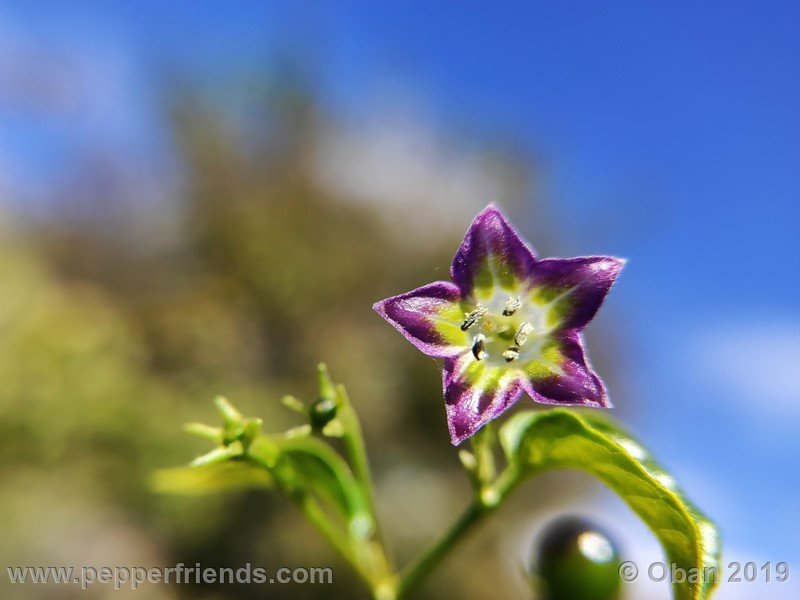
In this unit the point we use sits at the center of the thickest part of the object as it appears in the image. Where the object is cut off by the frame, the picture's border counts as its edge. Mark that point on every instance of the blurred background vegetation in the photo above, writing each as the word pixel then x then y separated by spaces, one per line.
pixel 207 200
pixel 116 330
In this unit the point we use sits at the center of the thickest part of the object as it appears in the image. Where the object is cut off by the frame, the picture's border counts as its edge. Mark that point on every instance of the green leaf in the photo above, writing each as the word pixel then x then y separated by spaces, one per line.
pixel 538 441
pixel 211 478
pixel 308 464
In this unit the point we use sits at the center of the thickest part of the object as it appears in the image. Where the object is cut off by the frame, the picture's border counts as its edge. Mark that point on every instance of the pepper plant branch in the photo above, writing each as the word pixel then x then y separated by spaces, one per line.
pixel 485 501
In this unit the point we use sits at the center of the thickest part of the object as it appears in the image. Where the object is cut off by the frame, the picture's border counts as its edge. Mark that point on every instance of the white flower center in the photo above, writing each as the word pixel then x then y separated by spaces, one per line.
pixel 506 330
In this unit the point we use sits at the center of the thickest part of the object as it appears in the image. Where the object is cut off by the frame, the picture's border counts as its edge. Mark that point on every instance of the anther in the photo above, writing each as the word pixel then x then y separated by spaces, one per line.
pixel 478 345
pixel 511 306
pixel 522 333
pixel 511 354
pixel 472 317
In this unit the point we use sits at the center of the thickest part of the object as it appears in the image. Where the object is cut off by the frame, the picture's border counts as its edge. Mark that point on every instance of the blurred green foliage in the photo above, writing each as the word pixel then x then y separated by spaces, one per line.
pixel 108 344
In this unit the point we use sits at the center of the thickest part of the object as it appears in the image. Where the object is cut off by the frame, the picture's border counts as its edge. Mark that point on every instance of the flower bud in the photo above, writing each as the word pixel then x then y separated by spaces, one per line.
pixel 323 411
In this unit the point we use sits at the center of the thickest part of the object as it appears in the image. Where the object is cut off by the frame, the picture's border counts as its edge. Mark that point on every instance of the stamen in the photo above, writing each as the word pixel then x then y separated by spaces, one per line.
pixel 522 333
pixel 511 306
pixel 511 354
pixel 472 317
pixel 478 345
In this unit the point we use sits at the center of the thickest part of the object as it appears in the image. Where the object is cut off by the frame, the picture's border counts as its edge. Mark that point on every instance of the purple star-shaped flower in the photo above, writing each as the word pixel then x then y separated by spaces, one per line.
pixel 509 323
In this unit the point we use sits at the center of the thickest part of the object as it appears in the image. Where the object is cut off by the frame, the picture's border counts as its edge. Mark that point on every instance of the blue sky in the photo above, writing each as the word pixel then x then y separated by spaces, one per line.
pixel 667 132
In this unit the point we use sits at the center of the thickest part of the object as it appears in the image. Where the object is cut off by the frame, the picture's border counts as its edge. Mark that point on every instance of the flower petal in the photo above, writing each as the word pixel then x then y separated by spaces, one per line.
pixel 429 317
pixel 573 289
pixel 475 393
pixel 564 376
pixel 492 255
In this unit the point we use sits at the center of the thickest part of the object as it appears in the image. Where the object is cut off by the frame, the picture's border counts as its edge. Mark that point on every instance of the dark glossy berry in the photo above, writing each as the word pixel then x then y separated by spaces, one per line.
pixel 576 560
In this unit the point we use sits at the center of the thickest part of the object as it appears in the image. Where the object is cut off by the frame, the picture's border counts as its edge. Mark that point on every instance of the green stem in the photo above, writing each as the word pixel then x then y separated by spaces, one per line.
pixel 420 568
pixel 483 445
pixel 413 574
pixel 368 557
pixel 483 473
pixel 314 513
pixel 353 439
pixel 354 445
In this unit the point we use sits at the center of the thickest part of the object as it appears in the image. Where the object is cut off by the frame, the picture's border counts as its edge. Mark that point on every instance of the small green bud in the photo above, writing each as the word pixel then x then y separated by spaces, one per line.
pixel 233 433
pixel 324 383
pixel 216 455
pixel 228 412
pixel 299 431
pixel 468 460
pixel 334 429
pixel 251 429
pixel 294 404
pixel 212 434
pixel 322 412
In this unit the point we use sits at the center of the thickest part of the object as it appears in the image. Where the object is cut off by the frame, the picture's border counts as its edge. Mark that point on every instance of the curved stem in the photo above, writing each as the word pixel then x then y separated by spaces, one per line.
pixel 353 439
pixel 355 448
pixel 314 513
pixel 319 519
pixel 369 558
pixel 476 512
pixel 420 568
